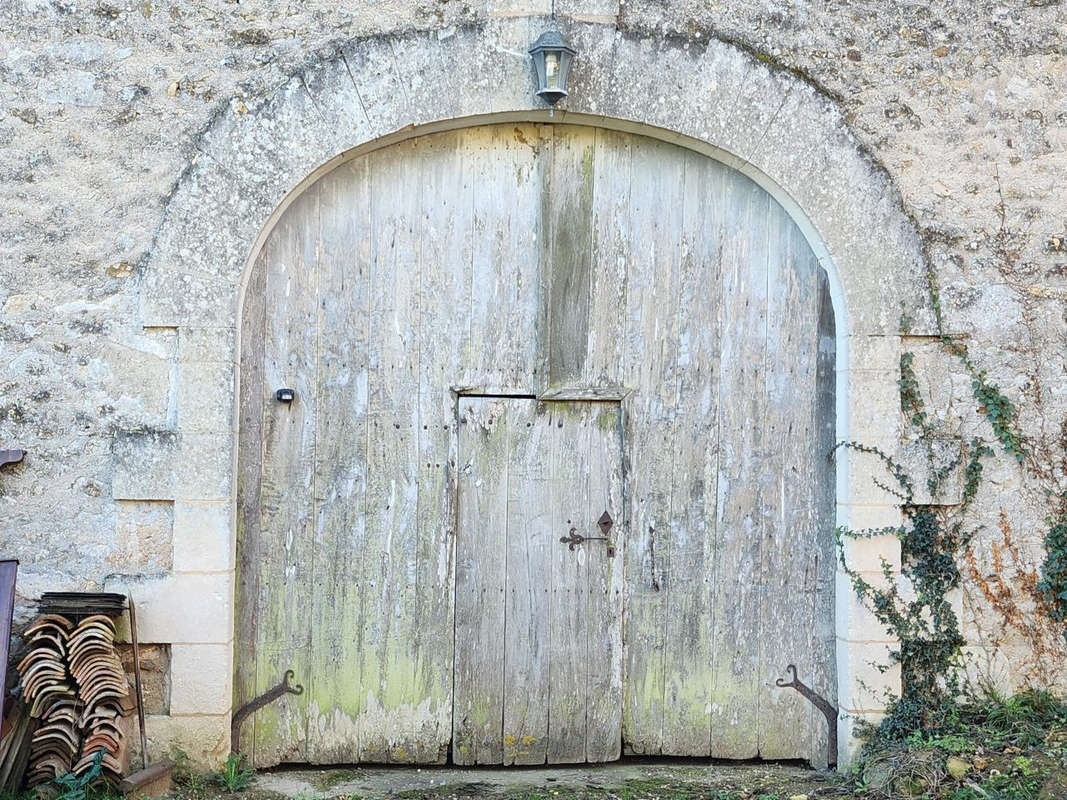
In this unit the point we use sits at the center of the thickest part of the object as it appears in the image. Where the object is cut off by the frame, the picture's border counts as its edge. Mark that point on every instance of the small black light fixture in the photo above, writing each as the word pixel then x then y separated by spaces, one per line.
pixel 552 58
pixel 285 395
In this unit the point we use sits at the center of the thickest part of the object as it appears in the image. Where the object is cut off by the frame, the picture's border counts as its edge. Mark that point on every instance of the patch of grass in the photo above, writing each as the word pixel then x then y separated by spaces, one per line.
pixel 1021 721
pixel 234 775
pixel 460 789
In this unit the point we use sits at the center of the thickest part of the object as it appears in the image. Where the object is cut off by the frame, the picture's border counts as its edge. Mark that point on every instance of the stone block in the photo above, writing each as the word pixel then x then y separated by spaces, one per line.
pixel 202 678
pixel 754 105
pixel 867 675
pixel 205 739
pixel 207 344
pixel 867 351
pixel 133 380
pixel 1011 668
pixel 868 479
pixel 874 404
pixel 143 535
pixel 331 89
pixel 520 8
pixel 180 608
pixel 192 240
pixel 604 11
pixel 781 149
pixel 866 553
pixel 205 397
pixel 591 90
pixel 871 517
pixel 379 84
pixel 144 464
pixel 246 137
pixel 944 383
pixel 206 466
pixel 203 536
pixel 457 83
pixel 850 727
pixel 180 298
pixel 663 96
pixel 854 620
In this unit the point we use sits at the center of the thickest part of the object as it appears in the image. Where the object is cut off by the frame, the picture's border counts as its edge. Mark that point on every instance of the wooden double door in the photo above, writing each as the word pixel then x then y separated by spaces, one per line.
pixel 497 338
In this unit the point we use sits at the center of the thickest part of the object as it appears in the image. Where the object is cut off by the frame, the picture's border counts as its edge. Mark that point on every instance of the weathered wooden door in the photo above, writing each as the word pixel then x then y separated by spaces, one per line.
pixel 538 670
pixel 564 265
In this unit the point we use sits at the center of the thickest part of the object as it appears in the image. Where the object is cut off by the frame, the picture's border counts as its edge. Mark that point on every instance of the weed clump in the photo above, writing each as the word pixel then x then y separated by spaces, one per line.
pixel 988 747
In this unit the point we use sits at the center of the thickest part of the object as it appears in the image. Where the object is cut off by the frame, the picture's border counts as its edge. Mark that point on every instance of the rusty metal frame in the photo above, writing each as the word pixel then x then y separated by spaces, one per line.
pixel 256 703
pixel 8 574
pixel 821 703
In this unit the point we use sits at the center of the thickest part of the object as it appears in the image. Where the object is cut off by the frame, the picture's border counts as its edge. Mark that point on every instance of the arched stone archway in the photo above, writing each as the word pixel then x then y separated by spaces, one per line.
pixel 711 97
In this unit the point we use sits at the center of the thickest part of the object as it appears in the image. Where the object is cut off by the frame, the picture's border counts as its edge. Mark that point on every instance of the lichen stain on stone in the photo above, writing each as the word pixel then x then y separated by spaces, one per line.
pixel 122 269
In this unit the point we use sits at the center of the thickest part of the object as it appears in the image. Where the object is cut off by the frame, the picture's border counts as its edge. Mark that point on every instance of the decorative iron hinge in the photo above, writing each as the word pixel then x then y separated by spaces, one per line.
pixel 604 523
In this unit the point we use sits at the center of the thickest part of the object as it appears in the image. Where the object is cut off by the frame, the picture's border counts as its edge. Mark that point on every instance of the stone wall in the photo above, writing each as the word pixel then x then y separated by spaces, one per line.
pixel 102 106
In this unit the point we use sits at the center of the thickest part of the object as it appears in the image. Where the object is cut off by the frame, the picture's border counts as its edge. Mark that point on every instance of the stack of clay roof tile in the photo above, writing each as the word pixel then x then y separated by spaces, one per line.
pixel 75 685
pixel 50 693
pixel 102 690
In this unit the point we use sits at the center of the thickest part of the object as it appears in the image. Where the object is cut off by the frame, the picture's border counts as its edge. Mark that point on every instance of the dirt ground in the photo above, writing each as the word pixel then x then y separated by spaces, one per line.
pixel 627 780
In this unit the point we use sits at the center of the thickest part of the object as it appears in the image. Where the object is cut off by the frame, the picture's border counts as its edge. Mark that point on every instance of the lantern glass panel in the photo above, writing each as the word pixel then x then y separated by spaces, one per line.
pixel 552 70
pixel 564 68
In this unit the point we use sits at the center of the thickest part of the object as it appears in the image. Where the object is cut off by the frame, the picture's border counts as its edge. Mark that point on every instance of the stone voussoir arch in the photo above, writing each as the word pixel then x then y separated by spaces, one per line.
pixel 712 97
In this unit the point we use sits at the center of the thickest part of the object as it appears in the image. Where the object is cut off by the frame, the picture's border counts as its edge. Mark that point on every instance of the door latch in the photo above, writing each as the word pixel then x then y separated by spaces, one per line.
pixel 604 523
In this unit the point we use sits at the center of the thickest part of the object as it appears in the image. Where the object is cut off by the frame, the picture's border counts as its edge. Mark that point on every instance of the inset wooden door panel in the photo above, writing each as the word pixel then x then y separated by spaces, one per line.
pixel 538 674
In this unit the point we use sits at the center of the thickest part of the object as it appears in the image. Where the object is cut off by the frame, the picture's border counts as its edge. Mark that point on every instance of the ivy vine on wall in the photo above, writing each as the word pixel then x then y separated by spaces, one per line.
pixel 935 537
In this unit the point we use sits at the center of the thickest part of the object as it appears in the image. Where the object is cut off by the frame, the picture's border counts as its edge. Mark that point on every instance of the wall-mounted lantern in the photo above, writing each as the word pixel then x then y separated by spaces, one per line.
pixel 552 58
pixel 285 395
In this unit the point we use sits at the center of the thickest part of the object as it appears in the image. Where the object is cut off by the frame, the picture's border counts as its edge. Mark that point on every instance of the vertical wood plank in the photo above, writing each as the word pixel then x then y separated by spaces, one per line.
pixel 611 238
pixel 444 290
pixel 532 525
pixel 738 529
pixel 569 632
pixel 334 685
pixel 690 649
pixel 287 493
pixel 391 712
pixel 788 553
pixel 480 581
pixel 566 214
pixel 250 539
pixel 656 200
pixel 604 649
pixel 505 295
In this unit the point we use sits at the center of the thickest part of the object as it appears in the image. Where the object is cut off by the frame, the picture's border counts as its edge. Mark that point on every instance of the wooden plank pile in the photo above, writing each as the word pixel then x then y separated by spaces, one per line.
pixel 14 746
pixel 76 689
